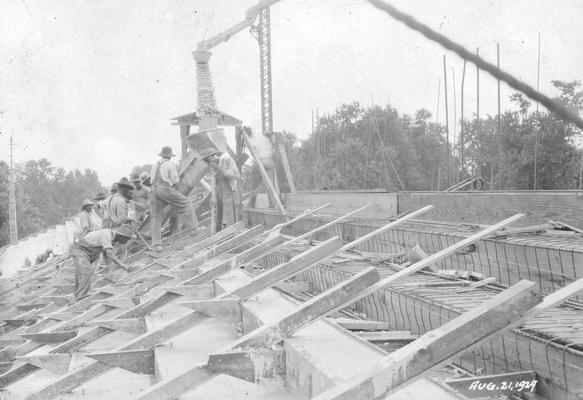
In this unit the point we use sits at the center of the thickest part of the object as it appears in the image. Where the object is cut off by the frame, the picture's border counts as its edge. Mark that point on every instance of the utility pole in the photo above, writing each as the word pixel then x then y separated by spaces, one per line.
pixel 462 122
pixel 536 129
pixel 12 200
pixel 499 124
pixel 446 121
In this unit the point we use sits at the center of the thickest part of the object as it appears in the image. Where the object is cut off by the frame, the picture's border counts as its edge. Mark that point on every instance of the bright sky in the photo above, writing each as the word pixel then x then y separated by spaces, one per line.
pixel 93 84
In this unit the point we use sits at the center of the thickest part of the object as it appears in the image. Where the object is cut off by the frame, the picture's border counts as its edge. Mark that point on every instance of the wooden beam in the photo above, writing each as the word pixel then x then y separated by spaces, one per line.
pixel 226 233
pixel 130 325
pixel 255 367
pixel 361 324
pixel 283 271
pixel 120 302
pixel 136 361
pixel 228 310
pixel 228 245
pixel 248 255
pixel 60 300
pixel 295 219
pixel 440 345
pixel 55 363
pixel 308 312
pixel 94 369
pixel 266 180
pixel 194 292
pixel 285 162
pixel 180 274
pixel 18 322
pixel 50 337
pixel 62 316
pixel 173 388
pixel 431 259
pixel 387 336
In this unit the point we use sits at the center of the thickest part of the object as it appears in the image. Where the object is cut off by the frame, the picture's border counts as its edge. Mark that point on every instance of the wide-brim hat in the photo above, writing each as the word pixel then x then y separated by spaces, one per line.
pixel 124 230
pixel 86 203
pixel 124 182
pixel 144 176
pixel 99 196
pixel 166 152
pixel 135 177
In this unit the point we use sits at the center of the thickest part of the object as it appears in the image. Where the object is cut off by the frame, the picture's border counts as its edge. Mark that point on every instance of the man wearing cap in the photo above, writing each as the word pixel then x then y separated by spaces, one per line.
pixel 88 219
pixel 141 197
pixel 164 177
pixel 117 205
pixel 87 250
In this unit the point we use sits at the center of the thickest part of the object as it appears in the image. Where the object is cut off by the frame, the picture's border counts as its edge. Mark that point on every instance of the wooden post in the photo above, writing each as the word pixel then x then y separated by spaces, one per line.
pixel 285 162
pixel 269 185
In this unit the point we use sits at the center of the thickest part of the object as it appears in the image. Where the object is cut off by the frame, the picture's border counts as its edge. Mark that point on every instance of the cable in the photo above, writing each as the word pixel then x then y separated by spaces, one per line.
pixel 430 34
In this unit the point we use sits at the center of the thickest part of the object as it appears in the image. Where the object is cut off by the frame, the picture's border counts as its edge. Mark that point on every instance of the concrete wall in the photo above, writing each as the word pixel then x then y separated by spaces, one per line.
pixel 471 207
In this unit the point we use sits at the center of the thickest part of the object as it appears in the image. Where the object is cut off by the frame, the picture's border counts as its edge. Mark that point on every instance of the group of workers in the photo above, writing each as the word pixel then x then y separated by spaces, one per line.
pixel 108 222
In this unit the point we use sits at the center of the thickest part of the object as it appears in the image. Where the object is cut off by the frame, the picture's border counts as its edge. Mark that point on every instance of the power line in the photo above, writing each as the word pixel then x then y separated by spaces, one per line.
pixel 513 82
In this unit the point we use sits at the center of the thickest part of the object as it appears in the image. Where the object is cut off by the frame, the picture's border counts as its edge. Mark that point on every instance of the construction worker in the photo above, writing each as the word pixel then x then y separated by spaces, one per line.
pixel 227 183
pixel 141 197
pixel 44 256
pixel 117 205
pixel 87 250
pixel 100 205
pixel 89 220
pixel 164 178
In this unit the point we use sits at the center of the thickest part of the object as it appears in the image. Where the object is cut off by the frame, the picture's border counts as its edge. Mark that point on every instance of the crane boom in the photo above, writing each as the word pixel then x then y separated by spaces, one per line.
pixel 250 17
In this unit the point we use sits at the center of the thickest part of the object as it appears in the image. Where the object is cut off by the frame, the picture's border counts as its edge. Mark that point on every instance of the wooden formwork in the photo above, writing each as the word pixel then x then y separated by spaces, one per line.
pixel 197 284
pixel 550 344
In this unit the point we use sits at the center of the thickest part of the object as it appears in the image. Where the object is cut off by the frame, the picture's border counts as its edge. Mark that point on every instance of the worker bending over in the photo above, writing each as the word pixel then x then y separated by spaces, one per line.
pixel 164 179
pixel 141 197
pixel 87 250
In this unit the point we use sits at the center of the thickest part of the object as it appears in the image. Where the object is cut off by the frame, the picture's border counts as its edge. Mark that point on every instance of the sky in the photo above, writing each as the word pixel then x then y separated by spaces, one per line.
pixel 94 84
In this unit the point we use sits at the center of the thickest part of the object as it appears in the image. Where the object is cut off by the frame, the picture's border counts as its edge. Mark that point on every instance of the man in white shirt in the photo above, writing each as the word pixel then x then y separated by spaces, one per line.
pixel 87 250
pixel 227 179
pixel 164 178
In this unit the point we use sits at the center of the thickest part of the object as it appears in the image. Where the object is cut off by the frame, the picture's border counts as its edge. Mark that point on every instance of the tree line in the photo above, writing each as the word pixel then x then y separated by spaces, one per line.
pixel 358 148
pixel 45 195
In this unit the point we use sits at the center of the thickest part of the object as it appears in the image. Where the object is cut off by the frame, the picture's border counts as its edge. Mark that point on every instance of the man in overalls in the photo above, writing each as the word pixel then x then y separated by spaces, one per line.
pixel 164 178
pixel 88 249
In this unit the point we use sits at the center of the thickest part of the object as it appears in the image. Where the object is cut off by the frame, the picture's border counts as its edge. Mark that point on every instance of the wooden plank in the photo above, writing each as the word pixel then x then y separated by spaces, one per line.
pixel 285 162
pixel 228 310
pixel 361 324
pixel 226 233
pixel 248 255
pixel 440 345
pixel 136 361
pixel 55 363
pixel 266 180
pixel 432 258
pixel 309 311
pixel 385 228
pixel 226 246
pixel 283 271
pixel 195 292
pixel 243 365
pixel 297 218
pixel 180 275
pixel 120 302
pixel 94 369
pixel 20 322
pixel 62 316
pixel 130 325
pixel 50 337
pixel 387 336
pixel 173 388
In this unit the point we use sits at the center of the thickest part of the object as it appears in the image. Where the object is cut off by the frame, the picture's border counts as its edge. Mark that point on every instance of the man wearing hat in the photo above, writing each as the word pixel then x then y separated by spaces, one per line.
pixel 141 197
pixel 87 250
pixel 99 206
pixel 164 178
pixel 88 219
pixel 117 205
